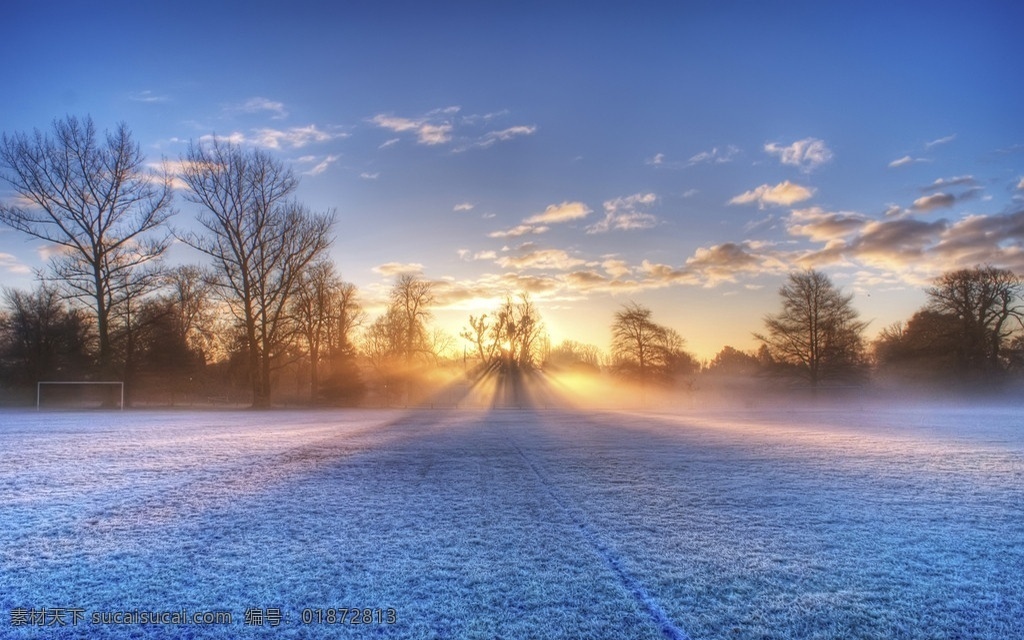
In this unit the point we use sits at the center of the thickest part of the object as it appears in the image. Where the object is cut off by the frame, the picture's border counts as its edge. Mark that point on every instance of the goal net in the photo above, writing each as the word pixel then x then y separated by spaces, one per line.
pixel 79 395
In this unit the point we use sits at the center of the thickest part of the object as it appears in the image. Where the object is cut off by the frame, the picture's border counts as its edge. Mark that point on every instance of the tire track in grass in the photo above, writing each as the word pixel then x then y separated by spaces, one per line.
pixel 668 628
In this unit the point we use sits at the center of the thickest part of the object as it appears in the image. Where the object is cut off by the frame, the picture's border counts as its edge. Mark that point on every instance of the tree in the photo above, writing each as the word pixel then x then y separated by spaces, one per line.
pixel 513 338
pixel 41 338
pixel 95 200
pixel 730 361
pixel 817 334
pixel 576 356
pixel 411 299
pixel 260 242
pixel 985 301
pixel 325 311
pixel 644 350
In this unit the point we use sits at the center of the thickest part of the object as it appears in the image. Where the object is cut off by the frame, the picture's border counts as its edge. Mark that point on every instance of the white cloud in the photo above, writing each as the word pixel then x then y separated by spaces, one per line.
pixel 807 154
pixel 491 137
pixel 822 226
pixel 541 259
pixel 463 206
pixel 940 141
pixel 623 214
pixel 658 159
pixel 433 134
pixel 147 96
pixel 616 268
pixel 785 194
pixel 390 269
pixel 389 143
pixel 1020 185
pixel 519 230
pixel 905 160
pixel 294 137
pixel 717 155
pixel 431 129
pixel 945 183
pixel 322 165
pixel 555 213
pixel 934 201
pixel 366 175
pixel 12 265
pixel 258 105
pixel 689 193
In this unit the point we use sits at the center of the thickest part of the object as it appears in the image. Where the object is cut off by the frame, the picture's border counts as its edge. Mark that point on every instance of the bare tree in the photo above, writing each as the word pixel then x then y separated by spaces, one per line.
pixel 513 340
pixel 260 242
pixel 41 337
pixel 817 334
pixel 985 301
pixel 643 349
pixel 411 299
pixel 96 201
pixel 325 311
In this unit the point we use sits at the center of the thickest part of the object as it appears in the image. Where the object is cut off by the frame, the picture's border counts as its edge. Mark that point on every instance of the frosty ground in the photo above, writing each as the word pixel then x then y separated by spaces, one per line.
pixel 852 522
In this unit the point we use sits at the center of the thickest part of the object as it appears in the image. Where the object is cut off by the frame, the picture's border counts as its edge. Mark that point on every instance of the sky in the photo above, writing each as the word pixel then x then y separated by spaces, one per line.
pixel 683 155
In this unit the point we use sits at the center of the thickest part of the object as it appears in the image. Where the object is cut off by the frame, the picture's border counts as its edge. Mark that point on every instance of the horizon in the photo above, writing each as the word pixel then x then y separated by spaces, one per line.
pixel 687 158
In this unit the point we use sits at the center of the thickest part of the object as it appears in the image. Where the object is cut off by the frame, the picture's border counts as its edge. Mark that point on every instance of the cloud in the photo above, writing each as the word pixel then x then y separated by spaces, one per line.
pixel 623 214
pixel 491 137
pixel 541 259
pixel 366 175
pixel 942 200
pixel 433 134
pixel 466 254
pixel 520 230
pixel 723 263
pixel 657 160
pixel 323 165
pixel 11 264
pixel 616 268
pixel 557 213
pixel 940 141
pixel 463 206
pixel 689 193
pixel 807 154
pixel 934 201
pixel 785 193
pixel 905 160
pixel 294 137
pixel 391 269
pixel 1020 185
pixel 821 226
pixel 389 143
pixel 716 155
pixel 259 105
pixel 147 96
pixel 945 183
pixel 431 129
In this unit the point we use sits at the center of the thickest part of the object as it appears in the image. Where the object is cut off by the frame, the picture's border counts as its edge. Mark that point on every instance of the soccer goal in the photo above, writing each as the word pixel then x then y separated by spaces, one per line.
pixel 79 395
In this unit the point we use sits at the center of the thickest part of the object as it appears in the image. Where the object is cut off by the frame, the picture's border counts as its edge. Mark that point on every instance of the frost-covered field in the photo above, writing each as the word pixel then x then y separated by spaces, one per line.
pixel 839 523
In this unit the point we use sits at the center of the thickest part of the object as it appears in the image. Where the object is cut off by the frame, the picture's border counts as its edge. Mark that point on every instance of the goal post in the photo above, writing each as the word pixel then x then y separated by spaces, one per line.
pixel 84 384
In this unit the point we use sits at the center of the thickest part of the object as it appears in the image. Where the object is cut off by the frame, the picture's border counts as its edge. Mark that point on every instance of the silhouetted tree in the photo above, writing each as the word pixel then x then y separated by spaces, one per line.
pixel 644 350
pixel 260 242
pixel 817 335
pixel 99 204
pixel 42 338
pixel 576 356
pixel 730 361
pixel 326 311
pixel 985 301
pixel 926 347
pixel 510 338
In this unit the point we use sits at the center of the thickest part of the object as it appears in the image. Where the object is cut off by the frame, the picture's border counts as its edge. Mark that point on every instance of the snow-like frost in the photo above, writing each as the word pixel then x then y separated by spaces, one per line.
pixel 814 523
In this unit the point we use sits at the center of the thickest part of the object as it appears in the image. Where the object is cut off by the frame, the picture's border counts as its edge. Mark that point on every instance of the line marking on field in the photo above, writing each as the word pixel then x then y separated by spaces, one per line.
pixel 634 586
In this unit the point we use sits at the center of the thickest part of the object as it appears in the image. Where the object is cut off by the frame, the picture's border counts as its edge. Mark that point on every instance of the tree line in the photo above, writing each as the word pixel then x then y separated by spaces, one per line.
pixel 268 316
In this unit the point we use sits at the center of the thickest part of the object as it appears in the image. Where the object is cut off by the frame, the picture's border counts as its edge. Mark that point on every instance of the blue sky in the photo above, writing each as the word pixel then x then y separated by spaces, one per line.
pixel 684 155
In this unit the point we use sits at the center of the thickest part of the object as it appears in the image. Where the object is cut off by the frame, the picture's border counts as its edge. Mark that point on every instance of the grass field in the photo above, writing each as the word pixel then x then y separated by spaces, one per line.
pixel 812 523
